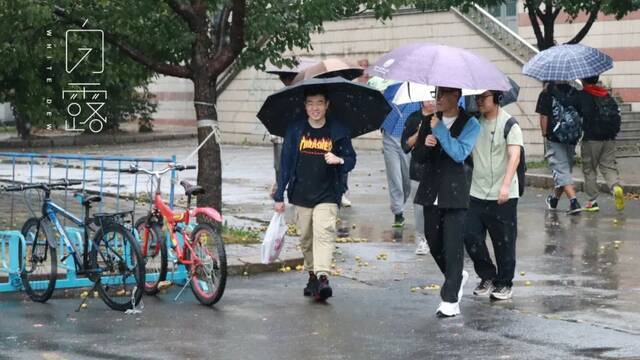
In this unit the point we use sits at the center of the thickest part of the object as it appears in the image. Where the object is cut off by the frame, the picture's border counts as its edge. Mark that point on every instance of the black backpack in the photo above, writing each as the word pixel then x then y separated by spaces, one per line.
pixel 607 124
pixel 566 123
pixel 522 165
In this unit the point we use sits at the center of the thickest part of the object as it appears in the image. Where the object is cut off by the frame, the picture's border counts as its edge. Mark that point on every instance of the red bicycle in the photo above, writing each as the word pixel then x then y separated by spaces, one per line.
pixel 201 252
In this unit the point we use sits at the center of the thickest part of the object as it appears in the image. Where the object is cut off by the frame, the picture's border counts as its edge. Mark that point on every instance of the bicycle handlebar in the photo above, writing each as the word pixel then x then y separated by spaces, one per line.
pixel 43 186
pixel 134 169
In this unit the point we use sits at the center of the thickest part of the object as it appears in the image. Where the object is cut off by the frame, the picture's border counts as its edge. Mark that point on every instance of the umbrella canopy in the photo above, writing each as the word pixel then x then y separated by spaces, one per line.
pixel 379 83
pixel 508 97
pixel 439 65
pixel 360 107
pixel 567 62
pixel 303 63
pixel 410 92
pixel 331 67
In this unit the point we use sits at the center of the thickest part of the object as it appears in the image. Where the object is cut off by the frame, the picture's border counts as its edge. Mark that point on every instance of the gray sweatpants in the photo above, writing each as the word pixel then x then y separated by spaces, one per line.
pixel 418 212
pixel 397 164
pixel 599 155
pixel 561 158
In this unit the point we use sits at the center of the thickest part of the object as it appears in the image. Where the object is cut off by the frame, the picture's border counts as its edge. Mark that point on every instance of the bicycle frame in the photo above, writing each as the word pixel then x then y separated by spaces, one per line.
pixel 172 219
pixel 51 210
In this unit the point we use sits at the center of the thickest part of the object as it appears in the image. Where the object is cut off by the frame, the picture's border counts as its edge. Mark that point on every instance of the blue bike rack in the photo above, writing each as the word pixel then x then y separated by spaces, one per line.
pixel 9 258
pixel 10 239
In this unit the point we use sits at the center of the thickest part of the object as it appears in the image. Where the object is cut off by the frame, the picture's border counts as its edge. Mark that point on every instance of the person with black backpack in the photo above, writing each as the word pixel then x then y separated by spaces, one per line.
pixel 498 158
pixel 561 127
pixel 601 124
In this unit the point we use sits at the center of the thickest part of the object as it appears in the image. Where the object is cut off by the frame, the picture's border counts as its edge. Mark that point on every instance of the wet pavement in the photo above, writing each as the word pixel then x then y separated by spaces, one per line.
pixel 576 292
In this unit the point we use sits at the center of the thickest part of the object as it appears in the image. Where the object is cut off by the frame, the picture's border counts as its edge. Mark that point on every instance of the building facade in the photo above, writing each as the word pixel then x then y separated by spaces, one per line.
pixel 364 38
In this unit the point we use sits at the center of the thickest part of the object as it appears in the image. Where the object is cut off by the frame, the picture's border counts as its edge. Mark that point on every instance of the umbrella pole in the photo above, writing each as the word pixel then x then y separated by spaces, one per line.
pixel 435 107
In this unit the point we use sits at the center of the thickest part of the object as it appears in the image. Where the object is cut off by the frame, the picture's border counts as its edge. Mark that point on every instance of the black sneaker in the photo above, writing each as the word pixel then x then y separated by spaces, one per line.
pixel 398 220
pixel 312 285
pixel 552 202
pixel 324 290
pixel 574 207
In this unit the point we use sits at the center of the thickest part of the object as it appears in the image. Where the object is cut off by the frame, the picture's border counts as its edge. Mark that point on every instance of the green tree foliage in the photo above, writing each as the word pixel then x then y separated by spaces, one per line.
pixel 199 39
pixel 33 74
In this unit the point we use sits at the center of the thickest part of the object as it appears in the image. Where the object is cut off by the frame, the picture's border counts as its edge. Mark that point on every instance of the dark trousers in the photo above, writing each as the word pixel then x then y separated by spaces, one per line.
pixel 444 231
pixel 502 223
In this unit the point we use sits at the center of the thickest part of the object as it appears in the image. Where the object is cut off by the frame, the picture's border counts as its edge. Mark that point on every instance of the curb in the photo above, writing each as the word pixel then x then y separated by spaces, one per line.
pixel 546 181
pixel 232 270
pixel 85 140
pixel 257 268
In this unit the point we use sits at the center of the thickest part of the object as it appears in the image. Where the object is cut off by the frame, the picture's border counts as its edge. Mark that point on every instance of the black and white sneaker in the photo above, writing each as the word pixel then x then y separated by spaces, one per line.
pixel 484 288
pixel 574 207
pixel 552 203
pixel 324 290
pixel 312 285
pixel 502 293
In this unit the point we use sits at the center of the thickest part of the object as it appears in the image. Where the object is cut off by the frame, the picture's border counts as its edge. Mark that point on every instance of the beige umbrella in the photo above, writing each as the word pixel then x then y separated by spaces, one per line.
pixel 331 67
pixel 303 63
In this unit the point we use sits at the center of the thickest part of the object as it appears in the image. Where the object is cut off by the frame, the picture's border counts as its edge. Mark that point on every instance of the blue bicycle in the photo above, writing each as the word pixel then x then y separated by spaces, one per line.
pixel 111 260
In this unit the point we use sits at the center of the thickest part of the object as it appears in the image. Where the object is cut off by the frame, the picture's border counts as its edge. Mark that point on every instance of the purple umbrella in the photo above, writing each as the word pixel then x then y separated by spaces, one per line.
pixel 439 65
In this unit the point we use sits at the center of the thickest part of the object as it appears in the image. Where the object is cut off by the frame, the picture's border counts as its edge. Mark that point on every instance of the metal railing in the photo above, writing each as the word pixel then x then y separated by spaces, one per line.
pixel 497 32
pixel 99 175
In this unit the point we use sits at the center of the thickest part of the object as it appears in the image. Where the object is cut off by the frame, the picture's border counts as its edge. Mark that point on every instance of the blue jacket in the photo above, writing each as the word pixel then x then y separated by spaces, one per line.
pixel 342 147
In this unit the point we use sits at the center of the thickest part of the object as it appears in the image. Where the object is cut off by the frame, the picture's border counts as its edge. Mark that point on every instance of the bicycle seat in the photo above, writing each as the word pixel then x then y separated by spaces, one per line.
pixel 91 199
pixel 190 189
pixel 118 217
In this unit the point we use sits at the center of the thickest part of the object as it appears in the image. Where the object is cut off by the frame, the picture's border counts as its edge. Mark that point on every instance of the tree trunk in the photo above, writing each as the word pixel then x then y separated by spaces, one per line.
pixel 548 25
pixel 209 163
pixel 23 127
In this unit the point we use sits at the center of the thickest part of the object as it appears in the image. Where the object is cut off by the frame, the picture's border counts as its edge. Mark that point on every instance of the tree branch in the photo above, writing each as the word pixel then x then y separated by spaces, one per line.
pixel 185 12
pixel 532 13
pixel 132 52
pixel 231 51
pixel 593 15
pixel 548 7
pixel 221 30
pixel 556 12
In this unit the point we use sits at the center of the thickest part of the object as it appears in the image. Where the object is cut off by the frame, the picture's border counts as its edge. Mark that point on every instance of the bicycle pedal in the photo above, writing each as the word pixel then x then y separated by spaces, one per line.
pixel 163 285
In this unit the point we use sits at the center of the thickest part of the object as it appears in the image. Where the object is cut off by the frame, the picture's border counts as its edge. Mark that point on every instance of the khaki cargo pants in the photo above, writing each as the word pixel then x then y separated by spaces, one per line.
pixel 317 228
pixel 599 155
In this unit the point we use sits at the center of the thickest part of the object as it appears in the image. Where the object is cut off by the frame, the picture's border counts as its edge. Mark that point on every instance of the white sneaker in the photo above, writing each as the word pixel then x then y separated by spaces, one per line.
pixel 465 277
pixel 448 309
pixel 423 247
pixel 345 202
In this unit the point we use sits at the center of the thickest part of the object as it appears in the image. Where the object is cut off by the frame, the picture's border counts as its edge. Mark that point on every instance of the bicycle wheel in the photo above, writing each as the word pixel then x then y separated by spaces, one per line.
pixel 40 268
pixel 116 257
pixel 154 254
pixel 209 274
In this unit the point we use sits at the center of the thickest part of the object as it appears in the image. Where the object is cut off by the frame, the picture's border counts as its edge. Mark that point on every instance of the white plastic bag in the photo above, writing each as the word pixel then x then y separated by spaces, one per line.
pixel 273 239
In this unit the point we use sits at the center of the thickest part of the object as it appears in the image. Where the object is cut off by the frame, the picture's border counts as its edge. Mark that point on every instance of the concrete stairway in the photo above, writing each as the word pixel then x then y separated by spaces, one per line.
pixel 628 139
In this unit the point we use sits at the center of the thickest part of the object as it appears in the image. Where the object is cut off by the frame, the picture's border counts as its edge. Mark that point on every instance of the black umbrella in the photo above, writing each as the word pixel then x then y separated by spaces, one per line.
pixel 508 97
pixel 360 107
